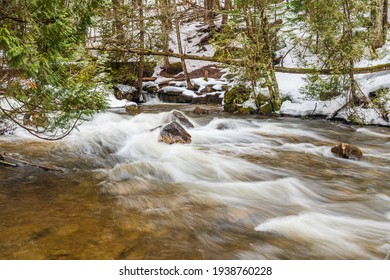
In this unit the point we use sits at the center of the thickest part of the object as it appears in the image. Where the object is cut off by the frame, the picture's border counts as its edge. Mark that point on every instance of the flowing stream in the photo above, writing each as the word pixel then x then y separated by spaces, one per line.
pixel 245 188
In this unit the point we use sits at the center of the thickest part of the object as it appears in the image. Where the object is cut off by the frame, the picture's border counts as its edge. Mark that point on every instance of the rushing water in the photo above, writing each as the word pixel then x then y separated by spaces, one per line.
pixel 245 188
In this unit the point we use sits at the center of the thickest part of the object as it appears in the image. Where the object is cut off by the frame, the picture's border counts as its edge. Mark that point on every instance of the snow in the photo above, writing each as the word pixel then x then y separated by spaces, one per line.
pixel 190 93
pixel 191 39
pixel 115 103
pixel 310 107
pixel 126 89
pixel 203 83
pixel 173 89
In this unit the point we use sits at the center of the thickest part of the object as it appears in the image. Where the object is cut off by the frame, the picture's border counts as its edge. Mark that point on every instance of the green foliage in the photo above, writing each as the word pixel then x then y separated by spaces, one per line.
pixel 336 35
pixel 57 79
pixel 380 99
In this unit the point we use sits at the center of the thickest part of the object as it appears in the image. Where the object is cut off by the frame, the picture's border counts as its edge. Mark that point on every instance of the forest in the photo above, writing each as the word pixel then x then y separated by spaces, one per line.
pixel 60 59
pixel 194 130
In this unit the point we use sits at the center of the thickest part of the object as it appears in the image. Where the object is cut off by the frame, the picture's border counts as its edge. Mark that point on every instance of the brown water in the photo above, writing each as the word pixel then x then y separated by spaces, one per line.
pixel 258 189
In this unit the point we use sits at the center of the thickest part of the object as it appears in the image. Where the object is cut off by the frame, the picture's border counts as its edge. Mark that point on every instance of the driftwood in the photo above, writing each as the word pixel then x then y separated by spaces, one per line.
pixel 6 163
pixel 15 162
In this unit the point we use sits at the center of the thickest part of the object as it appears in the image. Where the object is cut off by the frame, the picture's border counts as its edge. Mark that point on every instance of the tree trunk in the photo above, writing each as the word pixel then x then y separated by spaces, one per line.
pixel 271 80
pixel 142 47
pixel 183 62
pixel 378 27
pixel 166 25
pixel 209 13
pixel 385 19
pixel 225 16
pixel 117 28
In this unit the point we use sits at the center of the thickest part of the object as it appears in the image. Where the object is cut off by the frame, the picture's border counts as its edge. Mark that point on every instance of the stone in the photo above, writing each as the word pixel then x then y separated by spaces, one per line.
pixel 179 117
pixel 132 109
pixel 126 92
pixel 201 111
pixel 173 94
pixel 213 98
pixel 174 133
pixel 199 100
pixel 347 151
pixel 150 87
pixel 246 110
pixel 207 89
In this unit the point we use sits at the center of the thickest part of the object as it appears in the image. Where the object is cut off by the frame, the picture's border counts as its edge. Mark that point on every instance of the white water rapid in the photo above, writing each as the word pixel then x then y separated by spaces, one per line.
pixel 245 188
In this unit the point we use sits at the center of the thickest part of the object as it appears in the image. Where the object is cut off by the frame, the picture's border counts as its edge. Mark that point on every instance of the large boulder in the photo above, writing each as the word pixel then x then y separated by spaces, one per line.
pixel 179 117
pixel 347 151
pixel 174 133
pixel 126 92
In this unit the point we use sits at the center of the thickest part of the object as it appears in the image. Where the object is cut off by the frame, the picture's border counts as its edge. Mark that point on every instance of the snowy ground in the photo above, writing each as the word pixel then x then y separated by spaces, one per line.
pixel 290 84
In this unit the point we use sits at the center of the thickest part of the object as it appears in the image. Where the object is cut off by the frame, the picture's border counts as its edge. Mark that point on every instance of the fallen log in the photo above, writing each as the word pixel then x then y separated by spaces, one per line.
pixel 240 62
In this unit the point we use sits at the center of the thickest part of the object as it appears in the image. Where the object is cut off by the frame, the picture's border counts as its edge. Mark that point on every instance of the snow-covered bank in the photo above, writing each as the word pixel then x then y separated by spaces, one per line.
pixel 299 104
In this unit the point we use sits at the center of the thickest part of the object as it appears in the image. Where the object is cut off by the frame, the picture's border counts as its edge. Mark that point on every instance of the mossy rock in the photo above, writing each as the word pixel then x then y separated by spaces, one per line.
pixel 266 109
pixel 235 96
pixel 175 68
pixel 261 99
pixel 347 151
pixel 246 111
pixel 132 109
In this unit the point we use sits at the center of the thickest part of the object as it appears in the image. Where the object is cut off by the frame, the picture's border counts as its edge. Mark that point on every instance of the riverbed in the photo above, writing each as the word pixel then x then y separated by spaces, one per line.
pixel 247 187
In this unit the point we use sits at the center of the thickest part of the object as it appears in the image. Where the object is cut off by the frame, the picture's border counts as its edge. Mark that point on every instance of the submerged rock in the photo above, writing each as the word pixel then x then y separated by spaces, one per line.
pixel 174 133
pixel 347 151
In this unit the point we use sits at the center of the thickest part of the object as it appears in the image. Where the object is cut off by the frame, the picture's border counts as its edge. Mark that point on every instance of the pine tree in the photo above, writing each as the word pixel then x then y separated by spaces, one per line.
pixel 43 42
pixel 337 36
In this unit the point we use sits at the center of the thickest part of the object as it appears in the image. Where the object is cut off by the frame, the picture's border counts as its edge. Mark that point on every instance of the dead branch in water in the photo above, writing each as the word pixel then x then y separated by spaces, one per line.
pixel 14 162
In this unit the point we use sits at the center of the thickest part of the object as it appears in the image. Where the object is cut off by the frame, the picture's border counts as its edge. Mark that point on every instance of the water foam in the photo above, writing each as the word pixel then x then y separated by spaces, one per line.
pixel 335 236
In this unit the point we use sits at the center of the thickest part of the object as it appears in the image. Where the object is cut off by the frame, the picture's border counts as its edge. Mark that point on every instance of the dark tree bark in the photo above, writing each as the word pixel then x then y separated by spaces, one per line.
pixel 142 47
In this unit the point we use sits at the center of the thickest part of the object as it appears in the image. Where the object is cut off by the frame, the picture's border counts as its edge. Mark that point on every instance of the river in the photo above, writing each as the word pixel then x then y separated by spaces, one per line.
pixel 245 188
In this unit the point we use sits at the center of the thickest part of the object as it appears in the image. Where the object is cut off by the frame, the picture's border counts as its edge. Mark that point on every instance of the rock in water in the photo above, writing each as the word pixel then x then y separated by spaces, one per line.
pixel 201 111
pixel 174 133
pixel 347 151
pixel 180 118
